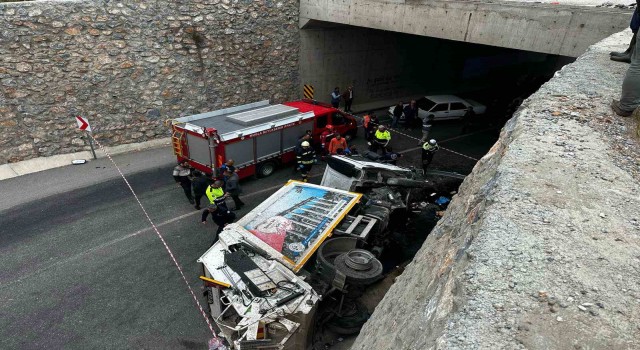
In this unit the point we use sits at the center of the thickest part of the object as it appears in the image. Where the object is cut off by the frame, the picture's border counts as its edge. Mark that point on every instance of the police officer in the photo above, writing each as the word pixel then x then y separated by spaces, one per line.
pixel 428 150
pixel 427 123
pixel 381 139
pixel 220 216
pixel 200 184
pixel 182 174
pixel 305 159
pixel 216 194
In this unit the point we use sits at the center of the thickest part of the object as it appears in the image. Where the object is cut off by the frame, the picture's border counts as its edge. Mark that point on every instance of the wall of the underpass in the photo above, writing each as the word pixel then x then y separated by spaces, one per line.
pixel 384 67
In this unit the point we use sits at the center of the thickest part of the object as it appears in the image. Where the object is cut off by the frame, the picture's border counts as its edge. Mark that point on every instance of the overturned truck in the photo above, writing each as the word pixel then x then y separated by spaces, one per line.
pixel 301 259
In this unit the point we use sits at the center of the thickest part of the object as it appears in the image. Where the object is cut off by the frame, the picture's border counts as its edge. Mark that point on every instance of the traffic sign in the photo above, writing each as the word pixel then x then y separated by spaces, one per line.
pixel 83 124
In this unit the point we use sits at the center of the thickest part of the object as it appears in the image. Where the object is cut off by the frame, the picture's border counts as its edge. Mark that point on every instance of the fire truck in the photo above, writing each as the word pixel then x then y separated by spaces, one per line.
pixel 258 136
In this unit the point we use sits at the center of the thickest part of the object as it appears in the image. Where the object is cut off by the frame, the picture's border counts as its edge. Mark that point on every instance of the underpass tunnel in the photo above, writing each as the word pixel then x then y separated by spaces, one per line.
pixel 385 67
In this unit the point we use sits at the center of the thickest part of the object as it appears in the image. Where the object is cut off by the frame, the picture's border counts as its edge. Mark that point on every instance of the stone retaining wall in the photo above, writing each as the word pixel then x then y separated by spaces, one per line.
pixel 128 66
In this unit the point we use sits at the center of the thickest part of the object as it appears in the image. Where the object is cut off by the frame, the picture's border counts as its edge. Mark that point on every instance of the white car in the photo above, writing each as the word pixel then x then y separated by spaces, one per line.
pixel 444 107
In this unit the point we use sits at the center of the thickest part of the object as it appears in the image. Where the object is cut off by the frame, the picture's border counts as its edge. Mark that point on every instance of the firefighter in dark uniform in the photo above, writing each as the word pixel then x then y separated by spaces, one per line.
pixel 305 159
pixel 381 139
pixel 428 150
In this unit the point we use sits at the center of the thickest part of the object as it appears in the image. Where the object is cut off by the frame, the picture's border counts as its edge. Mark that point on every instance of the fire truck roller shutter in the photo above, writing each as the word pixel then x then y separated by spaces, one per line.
pixel 199 150
pixel 241 152
pixel 268 145
pixel 290 136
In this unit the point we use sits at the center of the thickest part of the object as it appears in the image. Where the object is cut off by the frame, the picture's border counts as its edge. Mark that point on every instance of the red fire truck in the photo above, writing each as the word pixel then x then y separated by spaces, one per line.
pixel 257 136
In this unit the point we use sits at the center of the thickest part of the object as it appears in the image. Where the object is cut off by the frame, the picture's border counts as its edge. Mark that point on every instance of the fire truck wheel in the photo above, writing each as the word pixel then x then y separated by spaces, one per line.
pixel 265 169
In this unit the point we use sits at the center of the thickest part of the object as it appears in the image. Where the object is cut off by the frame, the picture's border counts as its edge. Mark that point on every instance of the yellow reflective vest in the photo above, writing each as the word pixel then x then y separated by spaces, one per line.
pixel 213 193
pixel 383 136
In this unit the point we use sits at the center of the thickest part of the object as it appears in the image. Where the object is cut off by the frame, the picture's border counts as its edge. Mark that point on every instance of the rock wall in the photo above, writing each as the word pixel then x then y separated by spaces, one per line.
pixel 129 65
pixel 540 247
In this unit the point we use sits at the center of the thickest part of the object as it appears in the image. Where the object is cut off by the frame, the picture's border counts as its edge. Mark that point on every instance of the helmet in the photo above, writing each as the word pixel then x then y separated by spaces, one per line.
pixel 329 127
pixel 432 142
pixel 381 127
pixel 305 144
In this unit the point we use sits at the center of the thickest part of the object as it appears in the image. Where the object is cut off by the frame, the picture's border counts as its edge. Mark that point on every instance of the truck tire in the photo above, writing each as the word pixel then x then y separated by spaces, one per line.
pixel 266 169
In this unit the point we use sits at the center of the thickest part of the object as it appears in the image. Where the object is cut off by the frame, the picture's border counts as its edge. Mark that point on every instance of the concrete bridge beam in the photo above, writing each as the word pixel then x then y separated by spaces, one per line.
pixel 545 28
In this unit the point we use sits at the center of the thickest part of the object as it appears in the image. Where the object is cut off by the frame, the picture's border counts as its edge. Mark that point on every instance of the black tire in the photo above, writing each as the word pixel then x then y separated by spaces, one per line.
pixel 266 169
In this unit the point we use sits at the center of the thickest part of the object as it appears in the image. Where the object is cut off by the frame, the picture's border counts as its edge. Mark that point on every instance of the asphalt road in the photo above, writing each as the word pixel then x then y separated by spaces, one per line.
pixel 81 268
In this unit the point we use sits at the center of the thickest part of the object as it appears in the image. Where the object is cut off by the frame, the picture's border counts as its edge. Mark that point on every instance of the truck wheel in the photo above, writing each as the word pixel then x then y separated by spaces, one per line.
pixel 265 169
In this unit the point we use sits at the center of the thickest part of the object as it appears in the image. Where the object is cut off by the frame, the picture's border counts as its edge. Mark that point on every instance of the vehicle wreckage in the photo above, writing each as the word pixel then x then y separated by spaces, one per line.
pixel 301 259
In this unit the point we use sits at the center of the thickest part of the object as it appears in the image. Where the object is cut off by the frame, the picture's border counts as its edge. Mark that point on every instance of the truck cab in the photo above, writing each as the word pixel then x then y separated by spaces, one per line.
pixel 351 174
pixel 325 114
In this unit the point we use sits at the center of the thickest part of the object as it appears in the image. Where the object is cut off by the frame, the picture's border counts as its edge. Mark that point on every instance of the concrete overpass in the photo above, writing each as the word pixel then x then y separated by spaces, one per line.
pixel 391 50
pixel 540 27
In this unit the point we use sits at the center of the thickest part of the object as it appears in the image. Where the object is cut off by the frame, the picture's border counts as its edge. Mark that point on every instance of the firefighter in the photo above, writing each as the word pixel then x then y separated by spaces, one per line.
pixel 326 137
pixel 182 174
pixel 428 150
pixel 305 159
pixel 216 194
pixel 381 139
pixel 337 143
pixel 369 123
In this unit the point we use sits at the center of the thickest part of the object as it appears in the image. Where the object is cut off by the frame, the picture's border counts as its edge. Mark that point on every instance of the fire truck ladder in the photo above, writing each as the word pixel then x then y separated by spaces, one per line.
pixel 176 140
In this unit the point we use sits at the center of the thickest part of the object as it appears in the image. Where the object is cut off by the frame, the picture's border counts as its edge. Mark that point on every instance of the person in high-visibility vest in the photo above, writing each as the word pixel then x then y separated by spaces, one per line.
pixel 305 159
pixel 381 139
pixel 369 123
pixel 336 144
pixel 428 150
pixel 216 194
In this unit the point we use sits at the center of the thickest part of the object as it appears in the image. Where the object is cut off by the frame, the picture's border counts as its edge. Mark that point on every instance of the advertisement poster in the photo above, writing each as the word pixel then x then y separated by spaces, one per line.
pixel 298 216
